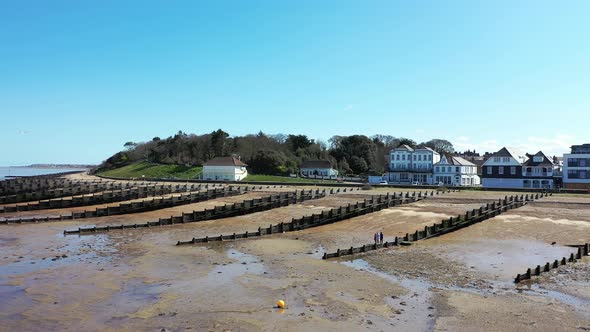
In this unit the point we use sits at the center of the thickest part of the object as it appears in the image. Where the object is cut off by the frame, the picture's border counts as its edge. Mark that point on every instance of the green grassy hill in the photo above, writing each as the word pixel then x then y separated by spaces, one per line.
pixel 150 170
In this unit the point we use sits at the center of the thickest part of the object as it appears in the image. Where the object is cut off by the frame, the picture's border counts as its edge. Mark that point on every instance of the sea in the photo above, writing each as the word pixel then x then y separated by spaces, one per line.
pixel 30 171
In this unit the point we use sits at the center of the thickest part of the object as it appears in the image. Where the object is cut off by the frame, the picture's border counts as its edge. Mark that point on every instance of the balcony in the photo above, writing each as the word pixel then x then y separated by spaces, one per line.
pixel 539 175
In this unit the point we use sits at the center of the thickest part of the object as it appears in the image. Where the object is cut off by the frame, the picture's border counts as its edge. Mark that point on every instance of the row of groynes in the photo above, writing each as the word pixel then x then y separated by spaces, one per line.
pixel 451 224
pixel 583 250
pixel 105 197
pixel 72 190
pixel 223 211
pixel 155 203
pixel 29 183
pixel 373 204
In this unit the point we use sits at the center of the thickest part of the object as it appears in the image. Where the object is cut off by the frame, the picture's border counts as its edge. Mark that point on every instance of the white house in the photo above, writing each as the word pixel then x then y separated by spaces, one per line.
pixel 224 169
pixel 576 168
pixel 407 165
pixel 455 171
pixel 317 168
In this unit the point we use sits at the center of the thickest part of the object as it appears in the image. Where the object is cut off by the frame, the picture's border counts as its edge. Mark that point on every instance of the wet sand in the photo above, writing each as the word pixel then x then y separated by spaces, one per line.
pixel 139 280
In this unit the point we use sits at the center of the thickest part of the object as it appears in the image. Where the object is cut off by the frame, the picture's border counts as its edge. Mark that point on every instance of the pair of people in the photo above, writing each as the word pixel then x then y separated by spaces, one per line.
pixel 378 238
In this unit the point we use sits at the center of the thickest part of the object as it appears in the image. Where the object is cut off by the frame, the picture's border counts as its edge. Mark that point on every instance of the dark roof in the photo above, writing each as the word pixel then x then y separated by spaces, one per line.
pixel 316 164
pixel 546 161
pixel 453 160
pixel 225 161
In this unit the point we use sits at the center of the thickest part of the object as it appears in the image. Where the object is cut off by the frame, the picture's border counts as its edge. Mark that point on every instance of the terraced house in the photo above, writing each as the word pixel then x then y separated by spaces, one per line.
pixel 509 168
pixel 503 169
pixel 455 171
pixel 408 165
pixel 576 167
pixel 537 172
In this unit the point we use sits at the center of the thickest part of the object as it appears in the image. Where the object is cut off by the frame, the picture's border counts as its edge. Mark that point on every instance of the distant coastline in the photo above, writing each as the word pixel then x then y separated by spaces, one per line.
pixel 57 166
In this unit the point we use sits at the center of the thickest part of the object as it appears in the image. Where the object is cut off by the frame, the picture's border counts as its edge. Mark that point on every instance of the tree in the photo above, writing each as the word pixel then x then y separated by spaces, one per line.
pixel 269 162
pixel 441 146
pixel 297 142
pixel 218 141
pixel 130 145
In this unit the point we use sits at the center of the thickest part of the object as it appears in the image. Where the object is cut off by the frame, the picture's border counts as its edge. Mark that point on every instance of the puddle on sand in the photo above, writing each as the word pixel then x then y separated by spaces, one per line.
pixel 416 315
pixel 580 305
pixel 504 259
pixel 245 263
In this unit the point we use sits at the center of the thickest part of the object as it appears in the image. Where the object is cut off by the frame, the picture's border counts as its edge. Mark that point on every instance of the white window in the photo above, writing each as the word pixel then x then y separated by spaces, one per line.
pixel 429 157
pixel 506 159
pixel 457 169
pixel 437 171
pixel 501 170
pixel 489 170
pixel 397 157
pixel 403 157
pixel 496 159
pixel 513 170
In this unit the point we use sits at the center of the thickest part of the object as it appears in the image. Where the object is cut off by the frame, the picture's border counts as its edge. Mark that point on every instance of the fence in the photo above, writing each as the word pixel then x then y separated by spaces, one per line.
pixel 222 211
pixel 375 203
pixel 452 224
pixel 583 250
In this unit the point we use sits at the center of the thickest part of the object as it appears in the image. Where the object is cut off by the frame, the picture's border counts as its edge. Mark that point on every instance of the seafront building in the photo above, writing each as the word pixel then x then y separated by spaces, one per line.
pixel 224 169
pixel 576 168
pixel 408 165
pixel 318 168
pixel 455 171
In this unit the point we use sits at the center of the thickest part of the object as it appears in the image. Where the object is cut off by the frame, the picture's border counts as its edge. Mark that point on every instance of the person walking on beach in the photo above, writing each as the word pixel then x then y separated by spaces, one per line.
pixel 376 238
pixel 381 237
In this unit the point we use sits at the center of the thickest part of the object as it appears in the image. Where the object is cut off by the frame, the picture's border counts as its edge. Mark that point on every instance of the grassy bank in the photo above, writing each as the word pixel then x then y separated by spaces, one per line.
pixel 150 170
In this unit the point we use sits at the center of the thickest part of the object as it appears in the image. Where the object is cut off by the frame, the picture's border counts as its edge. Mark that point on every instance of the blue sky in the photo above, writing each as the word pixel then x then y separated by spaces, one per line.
pixel 80 78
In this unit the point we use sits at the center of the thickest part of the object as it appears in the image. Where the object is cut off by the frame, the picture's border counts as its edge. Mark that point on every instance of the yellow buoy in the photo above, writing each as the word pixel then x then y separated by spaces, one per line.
pixel 281 304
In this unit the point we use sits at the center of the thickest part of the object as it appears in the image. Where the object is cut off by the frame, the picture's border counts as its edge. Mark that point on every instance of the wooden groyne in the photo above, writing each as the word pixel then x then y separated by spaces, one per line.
pixel 222 211
pixel 452 224
pixel 71 190
pixel 135 207
pixel 26 184
pixel 373 204
pixel 583 250
pixel 105 197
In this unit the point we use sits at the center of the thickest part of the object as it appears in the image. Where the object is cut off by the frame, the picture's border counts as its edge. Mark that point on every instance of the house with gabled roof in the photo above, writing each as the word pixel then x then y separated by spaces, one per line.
pixel 537 171
pixel 224 169
pixel 455 171
pixel 317 168
pixel 503 169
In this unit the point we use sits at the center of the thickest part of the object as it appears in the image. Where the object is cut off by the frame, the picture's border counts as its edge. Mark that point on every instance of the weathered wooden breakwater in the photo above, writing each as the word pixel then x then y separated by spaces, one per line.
pixel 452 224
pixel 373 204
pixel 79 189
pixel 222 211
pixel 134 207
pixel 105 197
pixel 583 250
pixel 28 183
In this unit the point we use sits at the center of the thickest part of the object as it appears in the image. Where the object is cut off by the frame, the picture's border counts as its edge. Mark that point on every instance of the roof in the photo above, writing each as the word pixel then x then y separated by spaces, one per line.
pixel 225 161
pixel 316 164
pixel 546 161
pixel 458 161
pixel 404 147
pixel 427 149
pixel 510 152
